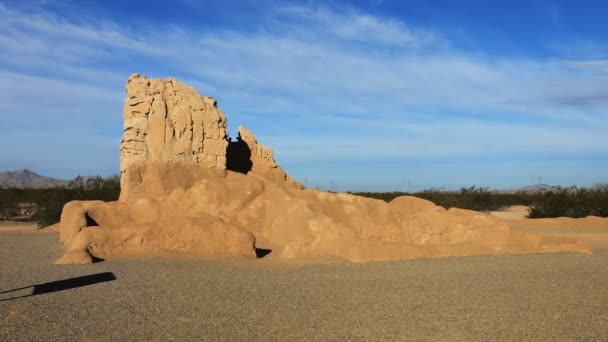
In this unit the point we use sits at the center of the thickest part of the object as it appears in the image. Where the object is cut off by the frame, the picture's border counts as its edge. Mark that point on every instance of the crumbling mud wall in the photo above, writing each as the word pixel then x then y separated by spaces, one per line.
pixel 167 120
pixel 187 191
pixel 246 155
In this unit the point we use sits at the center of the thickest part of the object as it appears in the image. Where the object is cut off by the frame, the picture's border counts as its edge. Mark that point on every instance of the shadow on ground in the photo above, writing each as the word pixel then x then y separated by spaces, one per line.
pixel 65 284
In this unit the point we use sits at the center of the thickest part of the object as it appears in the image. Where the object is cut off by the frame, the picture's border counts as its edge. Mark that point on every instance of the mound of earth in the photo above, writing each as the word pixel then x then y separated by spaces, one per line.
pixel 188 191
pixel 591 230
pixel 589 222
pixel 514 212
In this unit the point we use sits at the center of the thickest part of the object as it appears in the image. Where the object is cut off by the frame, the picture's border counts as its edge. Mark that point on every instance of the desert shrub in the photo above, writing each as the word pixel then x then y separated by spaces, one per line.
pixel 48 203
pixel 473 198
pixel 580 203
pixel 385 196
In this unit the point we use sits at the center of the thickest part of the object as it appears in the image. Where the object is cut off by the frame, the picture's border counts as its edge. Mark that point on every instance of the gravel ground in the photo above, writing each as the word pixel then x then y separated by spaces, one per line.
pixel 512 297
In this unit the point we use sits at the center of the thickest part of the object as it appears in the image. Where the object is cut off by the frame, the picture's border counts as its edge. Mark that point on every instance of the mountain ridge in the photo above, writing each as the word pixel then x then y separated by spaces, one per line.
pixel 28 179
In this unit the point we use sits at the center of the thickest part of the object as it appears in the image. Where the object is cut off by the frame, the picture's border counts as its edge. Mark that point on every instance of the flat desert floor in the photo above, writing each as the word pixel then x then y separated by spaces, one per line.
pixel 14 225
pixel 562 296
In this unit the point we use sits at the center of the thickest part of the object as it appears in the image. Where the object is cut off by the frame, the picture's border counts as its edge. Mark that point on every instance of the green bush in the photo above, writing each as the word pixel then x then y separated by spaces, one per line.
pixel 581 203
pixel 48 203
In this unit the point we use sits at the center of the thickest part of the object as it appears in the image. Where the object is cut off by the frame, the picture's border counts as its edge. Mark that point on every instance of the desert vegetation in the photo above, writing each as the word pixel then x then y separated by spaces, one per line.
pixel 45 205
pixel 580 203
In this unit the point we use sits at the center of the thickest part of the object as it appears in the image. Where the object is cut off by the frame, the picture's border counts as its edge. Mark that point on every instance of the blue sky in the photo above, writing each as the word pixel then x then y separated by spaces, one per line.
pixel 365 95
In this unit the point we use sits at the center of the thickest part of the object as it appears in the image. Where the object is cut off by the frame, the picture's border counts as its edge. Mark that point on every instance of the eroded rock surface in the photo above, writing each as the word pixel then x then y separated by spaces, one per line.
pixel 167 120
pixel 140 229
pixel 178 199
pixel 251 156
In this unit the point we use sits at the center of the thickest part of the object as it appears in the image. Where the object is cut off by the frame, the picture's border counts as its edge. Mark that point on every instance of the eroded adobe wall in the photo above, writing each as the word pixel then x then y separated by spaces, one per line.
pixel 166 120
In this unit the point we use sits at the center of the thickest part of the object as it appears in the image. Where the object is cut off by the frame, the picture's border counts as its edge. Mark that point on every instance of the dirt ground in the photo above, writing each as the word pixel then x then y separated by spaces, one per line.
pixel 15 225
pixel 593 231
pixel 515 212
pixel 562 296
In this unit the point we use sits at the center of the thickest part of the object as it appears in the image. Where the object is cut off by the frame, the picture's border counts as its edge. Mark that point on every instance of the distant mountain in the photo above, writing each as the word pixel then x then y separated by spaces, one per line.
pixel 25 178
pixel 28 179
pixel 82 181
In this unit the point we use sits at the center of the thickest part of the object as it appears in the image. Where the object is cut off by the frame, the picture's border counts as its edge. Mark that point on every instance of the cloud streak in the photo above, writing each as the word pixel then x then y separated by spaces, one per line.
pixel 338 82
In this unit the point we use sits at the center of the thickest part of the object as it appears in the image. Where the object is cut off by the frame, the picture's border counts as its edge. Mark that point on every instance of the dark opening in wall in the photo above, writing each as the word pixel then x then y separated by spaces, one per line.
pixel 238 156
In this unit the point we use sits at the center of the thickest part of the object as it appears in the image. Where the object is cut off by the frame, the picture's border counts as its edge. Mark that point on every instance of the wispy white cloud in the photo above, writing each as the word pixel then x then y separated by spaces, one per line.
pixel 304 58
pixel 347 77
pixel 356 27
pixel 593 65
pixel 444 139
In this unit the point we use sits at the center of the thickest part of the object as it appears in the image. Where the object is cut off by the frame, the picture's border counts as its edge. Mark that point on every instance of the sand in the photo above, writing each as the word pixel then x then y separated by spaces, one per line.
pixel 514 212
pixel 587 230
pixel 9 226
pixel 591 230
pixel 561 296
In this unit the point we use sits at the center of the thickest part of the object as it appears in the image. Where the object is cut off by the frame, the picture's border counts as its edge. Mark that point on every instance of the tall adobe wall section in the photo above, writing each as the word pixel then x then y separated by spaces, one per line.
pixel 166 120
